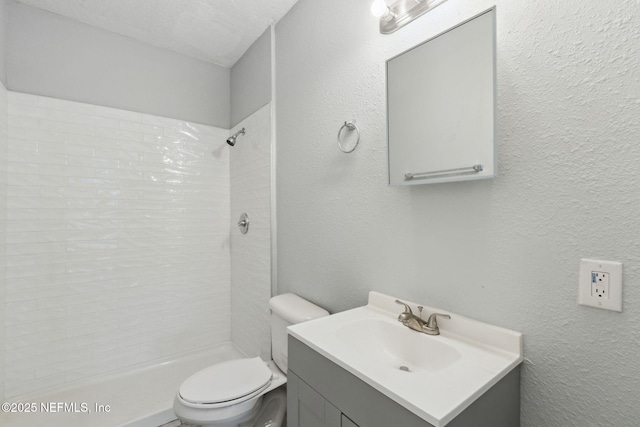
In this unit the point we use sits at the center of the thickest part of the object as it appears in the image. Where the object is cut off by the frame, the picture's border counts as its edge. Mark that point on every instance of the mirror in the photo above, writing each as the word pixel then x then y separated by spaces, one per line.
pixel 441 106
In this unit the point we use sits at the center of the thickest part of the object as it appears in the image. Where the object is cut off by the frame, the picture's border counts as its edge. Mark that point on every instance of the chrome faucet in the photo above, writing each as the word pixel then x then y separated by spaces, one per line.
pixel 410 320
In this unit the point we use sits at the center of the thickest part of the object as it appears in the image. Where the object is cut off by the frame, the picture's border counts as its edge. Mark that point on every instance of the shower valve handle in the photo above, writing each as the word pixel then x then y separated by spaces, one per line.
pixel 244 223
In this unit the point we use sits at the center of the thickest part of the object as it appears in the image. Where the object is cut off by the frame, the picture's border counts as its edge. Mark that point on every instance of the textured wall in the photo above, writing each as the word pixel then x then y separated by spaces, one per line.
pixel 54 56
pixel 117 240
pixel 505 251
pixel 3 224
pixel 251 80
pixel 251 252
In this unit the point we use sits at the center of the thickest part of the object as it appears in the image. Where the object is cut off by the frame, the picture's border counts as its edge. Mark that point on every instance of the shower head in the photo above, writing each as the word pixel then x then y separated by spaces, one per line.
pixel 232 139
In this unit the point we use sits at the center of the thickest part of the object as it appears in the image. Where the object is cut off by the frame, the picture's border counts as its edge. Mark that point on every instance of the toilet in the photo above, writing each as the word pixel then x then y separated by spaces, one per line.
pixel 246 392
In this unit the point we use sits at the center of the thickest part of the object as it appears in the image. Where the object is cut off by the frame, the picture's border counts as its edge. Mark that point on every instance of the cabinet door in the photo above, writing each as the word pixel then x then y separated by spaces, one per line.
pixel 346 422
pixel 307 408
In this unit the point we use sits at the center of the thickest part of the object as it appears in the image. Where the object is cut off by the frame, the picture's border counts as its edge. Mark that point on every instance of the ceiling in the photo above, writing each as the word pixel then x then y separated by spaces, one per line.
pixel 217 31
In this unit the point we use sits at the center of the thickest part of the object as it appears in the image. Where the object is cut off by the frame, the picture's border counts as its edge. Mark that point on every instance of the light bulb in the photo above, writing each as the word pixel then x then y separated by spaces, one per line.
pixel 380 9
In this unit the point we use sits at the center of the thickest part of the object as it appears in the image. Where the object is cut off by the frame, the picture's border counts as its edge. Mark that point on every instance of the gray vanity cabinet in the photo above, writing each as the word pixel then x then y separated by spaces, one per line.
pixel 306 407
pixel 346 422
pixel 322 394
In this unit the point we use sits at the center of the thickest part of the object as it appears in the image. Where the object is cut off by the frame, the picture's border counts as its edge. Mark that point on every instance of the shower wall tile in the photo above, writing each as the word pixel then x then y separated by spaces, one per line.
pixel 251 252
pixel 3 223
pixel 117 232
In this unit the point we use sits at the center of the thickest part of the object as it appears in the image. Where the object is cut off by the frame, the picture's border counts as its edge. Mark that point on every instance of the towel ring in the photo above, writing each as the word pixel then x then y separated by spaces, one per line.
pixel 350 125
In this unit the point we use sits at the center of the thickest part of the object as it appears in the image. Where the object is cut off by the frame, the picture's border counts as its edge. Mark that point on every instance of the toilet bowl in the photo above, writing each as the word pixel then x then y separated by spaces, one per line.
pixel 228 394
pixel 246 392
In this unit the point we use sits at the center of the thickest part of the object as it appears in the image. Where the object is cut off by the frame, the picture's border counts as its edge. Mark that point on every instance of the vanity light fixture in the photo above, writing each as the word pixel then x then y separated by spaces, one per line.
pixel 401 12
pixel 379 9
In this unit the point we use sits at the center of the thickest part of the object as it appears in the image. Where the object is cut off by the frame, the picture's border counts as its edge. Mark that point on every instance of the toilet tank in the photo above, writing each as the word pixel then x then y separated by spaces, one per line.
pixel 286 310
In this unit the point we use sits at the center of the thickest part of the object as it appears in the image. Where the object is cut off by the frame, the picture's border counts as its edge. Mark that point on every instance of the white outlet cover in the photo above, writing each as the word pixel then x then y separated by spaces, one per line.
pixel 585 295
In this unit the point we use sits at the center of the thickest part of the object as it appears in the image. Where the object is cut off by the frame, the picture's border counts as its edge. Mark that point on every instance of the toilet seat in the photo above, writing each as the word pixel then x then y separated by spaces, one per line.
pixel 226 383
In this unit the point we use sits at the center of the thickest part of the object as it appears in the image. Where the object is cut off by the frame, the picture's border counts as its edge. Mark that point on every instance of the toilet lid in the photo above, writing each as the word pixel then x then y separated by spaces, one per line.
pixel 226 381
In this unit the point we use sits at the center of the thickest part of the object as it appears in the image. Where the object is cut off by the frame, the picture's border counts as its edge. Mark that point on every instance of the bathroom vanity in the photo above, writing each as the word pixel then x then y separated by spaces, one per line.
pixel 362 368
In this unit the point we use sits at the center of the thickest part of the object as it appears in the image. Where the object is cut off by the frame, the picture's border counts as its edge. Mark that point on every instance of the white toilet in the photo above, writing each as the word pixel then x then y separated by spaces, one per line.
pixel 246 392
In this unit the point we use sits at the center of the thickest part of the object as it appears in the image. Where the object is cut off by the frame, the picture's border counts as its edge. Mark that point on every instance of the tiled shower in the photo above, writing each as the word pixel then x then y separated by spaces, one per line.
pixel 3 216
pixel 250 168
pixel 118 242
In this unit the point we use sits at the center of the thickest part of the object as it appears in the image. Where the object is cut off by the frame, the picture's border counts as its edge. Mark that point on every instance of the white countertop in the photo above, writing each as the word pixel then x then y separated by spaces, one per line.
pixel 447 373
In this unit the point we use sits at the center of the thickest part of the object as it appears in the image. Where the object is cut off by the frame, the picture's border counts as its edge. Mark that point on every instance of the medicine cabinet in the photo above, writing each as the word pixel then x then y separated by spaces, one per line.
pixel 441 106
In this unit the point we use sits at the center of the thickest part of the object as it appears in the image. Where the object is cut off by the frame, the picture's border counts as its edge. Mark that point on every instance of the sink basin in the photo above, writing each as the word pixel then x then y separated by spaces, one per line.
pixel 395 346
pixel 434 376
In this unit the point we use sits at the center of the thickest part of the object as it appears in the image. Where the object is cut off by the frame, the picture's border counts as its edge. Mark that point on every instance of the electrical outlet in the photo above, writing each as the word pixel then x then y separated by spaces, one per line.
pixel 600 284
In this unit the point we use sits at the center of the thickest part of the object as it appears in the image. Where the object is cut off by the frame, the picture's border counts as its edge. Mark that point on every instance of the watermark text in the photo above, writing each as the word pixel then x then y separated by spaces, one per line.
pixel 55 407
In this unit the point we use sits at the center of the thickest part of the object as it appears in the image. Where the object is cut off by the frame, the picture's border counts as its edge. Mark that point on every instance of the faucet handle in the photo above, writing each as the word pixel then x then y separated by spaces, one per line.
pixel 432 322
pixel 407 309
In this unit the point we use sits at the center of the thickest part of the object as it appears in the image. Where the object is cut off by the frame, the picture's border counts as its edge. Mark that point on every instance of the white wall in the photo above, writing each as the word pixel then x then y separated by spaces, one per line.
pixel 251 80
pixel 117 240
pixel 505 251
pixel 3 222
pixel 251 252
pixel 3 40
pixel 50 55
